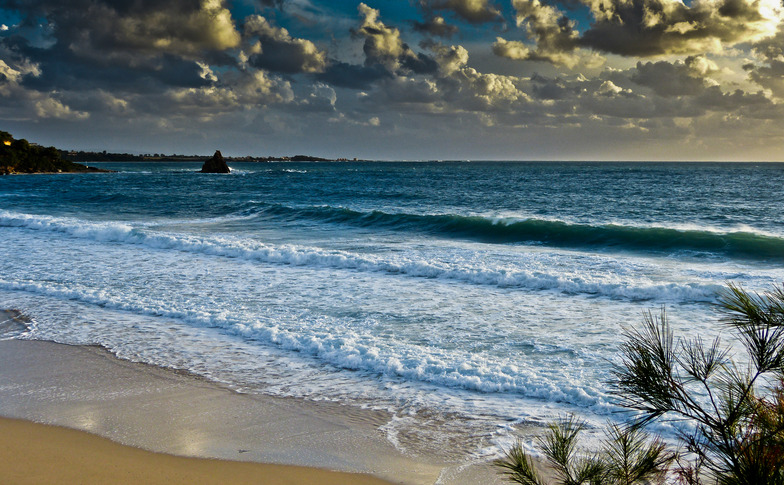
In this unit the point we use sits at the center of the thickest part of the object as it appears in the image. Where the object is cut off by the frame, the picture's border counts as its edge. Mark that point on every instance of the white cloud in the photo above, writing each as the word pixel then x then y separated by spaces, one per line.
pixel 51 108
pixel 382 44
pixel 176 27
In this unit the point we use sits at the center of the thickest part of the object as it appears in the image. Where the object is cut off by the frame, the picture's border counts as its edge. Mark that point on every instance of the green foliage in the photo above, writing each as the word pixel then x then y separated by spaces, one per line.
pixel 518 466
pixel 736 430
pixel 628 457
pixel 730 416
pixel 631 457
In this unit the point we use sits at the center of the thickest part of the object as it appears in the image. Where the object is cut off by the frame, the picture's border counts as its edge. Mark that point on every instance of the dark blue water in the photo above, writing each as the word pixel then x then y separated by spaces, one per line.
pixel 724 209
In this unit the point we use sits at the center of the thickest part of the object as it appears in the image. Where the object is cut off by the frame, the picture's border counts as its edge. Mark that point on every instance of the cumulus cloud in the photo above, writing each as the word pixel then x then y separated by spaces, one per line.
pixel 52 108
pixel 277 51
pixel 117 29
pixel 669 79
pixel 769 74
pixel 404 90
pixel 112 103
pixel 608 88
pixel 554 88
pixel 12 75
pixel 237 91
pixel 62 69
pixel 511 49
pixel 701 66
pixel 659 27
pixel 552 31
pixel 322 98
pixel 24 102
pixel 383 46
pixel 494 89
pixel 474 11
pixel 450 59
pixel 641 28
pixel 554 36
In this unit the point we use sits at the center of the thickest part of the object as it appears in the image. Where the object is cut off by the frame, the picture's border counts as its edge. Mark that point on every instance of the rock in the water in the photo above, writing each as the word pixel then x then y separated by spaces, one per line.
pixel 216 164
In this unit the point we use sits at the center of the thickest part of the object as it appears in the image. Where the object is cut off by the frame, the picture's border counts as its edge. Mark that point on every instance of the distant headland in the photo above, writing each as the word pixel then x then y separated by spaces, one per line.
pixel 104 156
pixel 18 156
pixel 22 157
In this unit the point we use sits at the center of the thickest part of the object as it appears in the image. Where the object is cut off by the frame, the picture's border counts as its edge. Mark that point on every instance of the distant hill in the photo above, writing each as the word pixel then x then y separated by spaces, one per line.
pixel 21 156
pixel 104 156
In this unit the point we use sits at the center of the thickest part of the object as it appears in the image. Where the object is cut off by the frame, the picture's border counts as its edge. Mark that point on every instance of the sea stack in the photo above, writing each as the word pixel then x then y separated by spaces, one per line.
pixel 216 164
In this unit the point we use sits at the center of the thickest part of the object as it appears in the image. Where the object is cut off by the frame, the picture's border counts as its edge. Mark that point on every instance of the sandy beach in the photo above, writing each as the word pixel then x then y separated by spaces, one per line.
pixel 175 414
pixel 33 453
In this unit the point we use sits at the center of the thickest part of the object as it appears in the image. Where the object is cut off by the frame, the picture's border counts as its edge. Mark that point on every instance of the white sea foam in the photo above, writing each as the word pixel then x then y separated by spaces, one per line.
pixel 349 350
pixel 604 284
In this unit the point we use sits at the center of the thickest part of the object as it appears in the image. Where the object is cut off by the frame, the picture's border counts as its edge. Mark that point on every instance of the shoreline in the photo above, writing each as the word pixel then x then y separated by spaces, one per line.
pixel 173 412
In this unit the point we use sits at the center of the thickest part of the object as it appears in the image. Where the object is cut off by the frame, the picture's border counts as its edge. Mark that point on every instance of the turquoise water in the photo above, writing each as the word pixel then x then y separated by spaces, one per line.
pixel 493 294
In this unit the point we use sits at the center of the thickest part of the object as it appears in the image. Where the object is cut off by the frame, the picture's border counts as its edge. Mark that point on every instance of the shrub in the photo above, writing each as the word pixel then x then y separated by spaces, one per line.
pixel 729 416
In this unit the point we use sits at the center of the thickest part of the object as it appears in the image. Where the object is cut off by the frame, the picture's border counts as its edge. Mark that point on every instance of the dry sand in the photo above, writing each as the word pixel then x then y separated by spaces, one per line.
pixel 33 453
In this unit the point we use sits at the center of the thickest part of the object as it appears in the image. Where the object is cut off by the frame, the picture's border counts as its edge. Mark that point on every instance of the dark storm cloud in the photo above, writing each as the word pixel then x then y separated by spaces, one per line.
pixel 279 52
pixel 280 57
pixel 128 29
pixel 668 79
pixel 545 88
pixel 753 105
pixel 419 64
pixel 61 69
pixel 474 11
pixel 435 26
pixel 769 74
pixel 353 76
pixel 657 27
pixel 639 28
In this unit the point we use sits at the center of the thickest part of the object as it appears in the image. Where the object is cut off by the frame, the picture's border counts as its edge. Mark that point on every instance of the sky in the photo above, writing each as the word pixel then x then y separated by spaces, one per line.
pixel 399 79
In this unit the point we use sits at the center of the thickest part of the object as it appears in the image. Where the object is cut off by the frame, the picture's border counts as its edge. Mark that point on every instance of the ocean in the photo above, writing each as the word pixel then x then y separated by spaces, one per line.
pixel 469 299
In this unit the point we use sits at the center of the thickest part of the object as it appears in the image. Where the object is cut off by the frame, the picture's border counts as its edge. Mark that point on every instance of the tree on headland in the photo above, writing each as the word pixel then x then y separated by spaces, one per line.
pixel 20 156
pixel 729 415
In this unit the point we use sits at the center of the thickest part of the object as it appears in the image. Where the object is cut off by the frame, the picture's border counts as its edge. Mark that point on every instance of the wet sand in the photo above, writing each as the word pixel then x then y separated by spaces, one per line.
pixel 176 413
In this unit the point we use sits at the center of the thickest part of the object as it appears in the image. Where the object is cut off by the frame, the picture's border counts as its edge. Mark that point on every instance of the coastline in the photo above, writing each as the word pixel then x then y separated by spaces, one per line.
pixel 171 412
